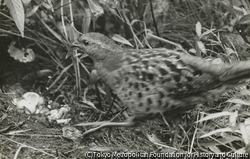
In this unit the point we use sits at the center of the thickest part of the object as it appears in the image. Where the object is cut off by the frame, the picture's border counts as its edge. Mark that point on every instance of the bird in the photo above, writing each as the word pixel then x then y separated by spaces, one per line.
pixel 158 81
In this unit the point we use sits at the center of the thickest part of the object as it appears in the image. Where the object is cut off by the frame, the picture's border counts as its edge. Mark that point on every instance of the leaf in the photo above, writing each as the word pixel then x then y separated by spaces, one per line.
pixel 86 20
pixel 232 118
pixel 38 74
pixel 48 5
pixel 226 139
pixel 95 8
pixel 239 101
pixel 73 33
pixel 26 2
pixel 121 39
pixel 201 46
pixel 214 149
pixel 146 11
pixel 244 133
pixel 245 19
pixel 198 29
pixel 193 51
pixel 219 131
pixel 32 11
pixel 17 13
pixel 215 115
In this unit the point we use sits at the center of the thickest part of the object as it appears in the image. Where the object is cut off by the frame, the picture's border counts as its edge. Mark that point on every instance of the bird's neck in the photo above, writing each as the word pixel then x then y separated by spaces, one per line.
pixel 107 65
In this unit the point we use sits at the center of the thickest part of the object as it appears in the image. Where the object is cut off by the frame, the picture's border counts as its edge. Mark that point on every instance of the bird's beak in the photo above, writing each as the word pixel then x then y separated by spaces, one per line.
pixel 76 43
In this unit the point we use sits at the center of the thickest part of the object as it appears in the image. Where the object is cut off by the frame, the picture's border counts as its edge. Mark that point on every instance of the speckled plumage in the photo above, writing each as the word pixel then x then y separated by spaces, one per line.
pixel 149 81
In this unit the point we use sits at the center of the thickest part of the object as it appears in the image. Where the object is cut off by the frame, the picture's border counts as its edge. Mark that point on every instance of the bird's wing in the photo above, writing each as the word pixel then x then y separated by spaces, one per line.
pixel 172 71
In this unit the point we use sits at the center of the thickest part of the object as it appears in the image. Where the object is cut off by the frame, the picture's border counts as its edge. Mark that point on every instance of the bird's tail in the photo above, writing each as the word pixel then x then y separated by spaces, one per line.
pixel 226 73
pixel 234 73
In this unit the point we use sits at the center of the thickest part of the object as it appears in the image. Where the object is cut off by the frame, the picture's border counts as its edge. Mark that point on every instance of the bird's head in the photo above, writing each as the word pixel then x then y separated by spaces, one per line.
pixel 97 46
pixel 105 53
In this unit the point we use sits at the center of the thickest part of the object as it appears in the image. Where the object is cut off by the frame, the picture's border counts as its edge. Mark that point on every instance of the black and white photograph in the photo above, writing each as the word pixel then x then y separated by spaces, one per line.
pixel 124 79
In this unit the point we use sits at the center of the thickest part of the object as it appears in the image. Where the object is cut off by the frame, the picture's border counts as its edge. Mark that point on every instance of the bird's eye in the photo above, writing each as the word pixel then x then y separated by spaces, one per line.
pixel 85 42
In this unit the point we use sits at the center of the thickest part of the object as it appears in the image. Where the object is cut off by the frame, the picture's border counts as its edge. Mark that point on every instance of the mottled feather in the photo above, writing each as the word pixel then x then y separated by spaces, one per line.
pixel 150 81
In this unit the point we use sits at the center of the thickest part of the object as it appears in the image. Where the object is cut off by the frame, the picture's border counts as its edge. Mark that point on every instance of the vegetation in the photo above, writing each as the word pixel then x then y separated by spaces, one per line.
pixel 37 56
